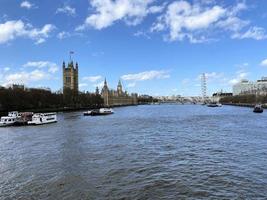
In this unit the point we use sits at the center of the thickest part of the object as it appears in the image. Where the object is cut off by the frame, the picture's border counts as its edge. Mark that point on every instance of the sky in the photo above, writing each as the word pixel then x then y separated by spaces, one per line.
pixel 154 47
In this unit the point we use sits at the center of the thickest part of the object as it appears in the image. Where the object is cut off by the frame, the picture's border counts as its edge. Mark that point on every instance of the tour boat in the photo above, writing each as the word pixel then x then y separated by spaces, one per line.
pixel 258 109
pixel 43 118
pixel 10 119
pixel 24 118
pixel 101 111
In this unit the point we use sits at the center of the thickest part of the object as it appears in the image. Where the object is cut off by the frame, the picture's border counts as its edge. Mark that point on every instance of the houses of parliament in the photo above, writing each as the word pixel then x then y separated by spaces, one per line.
pixel 111 97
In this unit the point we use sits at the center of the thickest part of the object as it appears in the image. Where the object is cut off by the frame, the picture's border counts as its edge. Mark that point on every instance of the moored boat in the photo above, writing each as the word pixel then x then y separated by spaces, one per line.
pixel 24 118
pixel 213 105
pixel 43 118
pixel 101 111
pixel 258 109
pixel 10 119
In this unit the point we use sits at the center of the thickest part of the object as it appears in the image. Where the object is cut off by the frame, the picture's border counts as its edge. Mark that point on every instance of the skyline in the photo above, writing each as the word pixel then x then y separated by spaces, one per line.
pixel 154 47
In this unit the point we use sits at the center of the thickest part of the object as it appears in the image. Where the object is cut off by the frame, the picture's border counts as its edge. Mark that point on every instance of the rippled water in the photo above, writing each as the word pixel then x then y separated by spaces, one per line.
pixel 144 152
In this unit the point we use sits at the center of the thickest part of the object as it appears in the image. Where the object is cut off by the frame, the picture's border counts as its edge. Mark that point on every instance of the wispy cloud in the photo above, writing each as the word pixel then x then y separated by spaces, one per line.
pixel 52 67
pixel 257 33
pixel 264 63
pixel 92 78
pixel 67 10
pixel 63 34
pixel 147 75
pixel 239 76
pixel 82 85
pixel 131 85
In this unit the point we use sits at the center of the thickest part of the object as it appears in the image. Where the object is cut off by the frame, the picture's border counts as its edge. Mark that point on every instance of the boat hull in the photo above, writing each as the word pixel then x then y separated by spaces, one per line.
pixel 96 114
pixel 258 111
pixel 6 125
pixel 41 123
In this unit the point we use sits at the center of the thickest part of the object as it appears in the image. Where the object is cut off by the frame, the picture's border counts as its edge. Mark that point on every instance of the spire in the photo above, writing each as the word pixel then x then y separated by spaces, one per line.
pixel 105 82
pixel 76 66
pixel 119 84
pixel 119 88
pixel 97 91
pixel 64 65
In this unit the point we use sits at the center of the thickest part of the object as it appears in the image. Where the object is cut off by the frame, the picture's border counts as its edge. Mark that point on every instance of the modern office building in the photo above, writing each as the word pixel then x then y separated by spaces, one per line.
pixel 250 87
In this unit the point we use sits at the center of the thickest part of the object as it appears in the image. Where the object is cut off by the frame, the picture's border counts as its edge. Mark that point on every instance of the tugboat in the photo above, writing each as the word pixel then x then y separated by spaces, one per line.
pixel 10 119
pixel 43 118
pixel 101 111
pixel 258 109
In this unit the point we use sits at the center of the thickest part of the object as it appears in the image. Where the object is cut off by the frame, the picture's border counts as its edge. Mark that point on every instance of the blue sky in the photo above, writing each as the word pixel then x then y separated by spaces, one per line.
pixel 155 47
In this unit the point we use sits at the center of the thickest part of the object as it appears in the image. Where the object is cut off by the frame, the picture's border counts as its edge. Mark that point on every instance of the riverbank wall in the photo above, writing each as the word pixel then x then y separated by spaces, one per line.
pixel 65 109
pixel 244 105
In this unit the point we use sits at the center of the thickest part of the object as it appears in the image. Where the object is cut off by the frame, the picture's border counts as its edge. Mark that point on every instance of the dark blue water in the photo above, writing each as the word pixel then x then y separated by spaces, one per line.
pixel 144 152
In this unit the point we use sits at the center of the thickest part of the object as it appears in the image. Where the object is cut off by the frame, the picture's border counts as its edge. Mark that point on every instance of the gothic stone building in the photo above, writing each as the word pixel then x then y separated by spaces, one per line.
pixel 117 97
pixel 70 77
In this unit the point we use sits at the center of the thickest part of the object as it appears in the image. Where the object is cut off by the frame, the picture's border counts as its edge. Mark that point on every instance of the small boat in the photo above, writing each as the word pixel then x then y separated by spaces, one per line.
pixel 101 111
pixel 214 105
pixel 10 119
pixel 43 118
pixel 258 109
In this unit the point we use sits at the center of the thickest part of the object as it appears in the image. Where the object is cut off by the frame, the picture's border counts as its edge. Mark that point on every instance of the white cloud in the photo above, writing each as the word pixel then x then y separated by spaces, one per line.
pixel 26 4
pixel 107 12
pixel 67 10
pixel 25 77
pixel 264 63
pixel 62 35
pixel 182 19
pixel 92 78
pixel 257 33
pixel 52 67
pixel 240 75
pixel 13 29
pixel 147 75
pixel 199 21
pixel 234 24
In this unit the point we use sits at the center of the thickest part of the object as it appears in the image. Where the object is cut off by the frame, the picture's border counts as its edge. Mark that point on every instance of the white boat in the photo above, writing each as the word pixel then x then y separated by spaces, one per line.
pixel 101 111
pixel 10 119
pixel 43 118
pixel 213 105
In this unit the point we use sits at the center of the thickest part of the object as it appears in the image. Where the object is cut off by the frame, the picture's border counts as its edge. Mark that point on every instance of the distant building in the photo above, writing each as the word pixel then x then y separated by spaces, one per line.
pixel 17 86
pixel 70 77
pixel 217 96
pixel 249 87
pixel 117 97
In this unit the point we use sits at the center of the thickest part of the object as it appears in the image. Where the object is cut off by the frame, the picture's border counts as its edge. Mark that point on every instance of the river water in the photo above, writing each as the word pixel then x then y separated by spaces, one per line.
pixel 143 152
